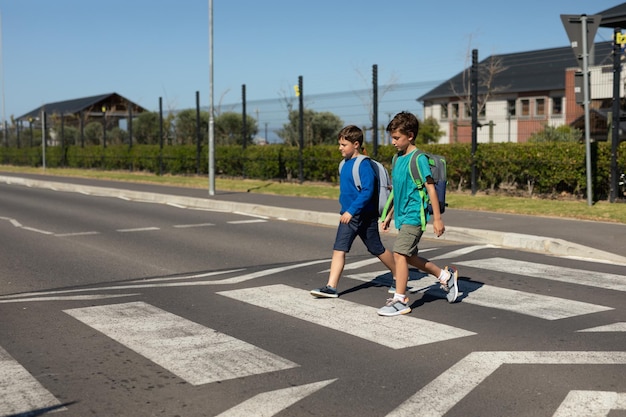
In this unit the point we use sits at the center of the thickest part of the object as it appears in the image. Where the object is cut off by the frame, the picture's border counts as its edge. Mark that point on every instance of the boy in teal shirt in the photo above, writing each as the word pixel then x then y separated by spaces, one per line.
pixel 407 213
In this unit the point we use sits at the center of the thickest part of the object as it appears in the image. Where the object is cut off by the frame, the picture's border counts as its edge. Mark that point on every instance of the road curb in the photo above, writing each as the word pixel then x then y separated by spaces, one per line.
pixel 552 246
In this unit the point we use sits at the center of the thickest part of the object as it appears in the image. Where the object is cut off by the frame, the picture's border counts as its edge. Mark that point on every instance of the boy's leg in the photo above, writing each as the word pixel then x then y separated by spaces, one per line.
pixel 370 236
pixel 343 242
pixel 399 304
pixel 402 273
pixel 404 247
pixel 388 260
pixel 336 268
pixel 448 276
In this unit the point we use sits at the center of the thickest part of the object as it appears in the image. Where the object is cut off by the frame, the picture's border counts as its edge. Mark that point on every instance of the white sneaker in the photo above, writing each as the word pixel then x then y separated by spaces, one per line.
pixel 451 286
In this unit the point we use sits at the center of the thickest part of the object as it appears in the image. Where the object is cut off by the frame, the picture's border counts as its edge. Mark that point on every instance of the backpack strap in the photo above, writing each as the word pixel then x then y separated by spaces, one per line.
pixel 355 170
pixel 420 183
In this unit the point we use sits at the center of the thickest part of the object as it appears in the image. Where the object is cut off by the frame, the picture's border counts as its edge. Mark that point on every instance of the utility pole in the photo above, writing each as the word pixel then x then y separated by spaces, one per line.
pixel 375 109
pixel 583 28
pixel 474 94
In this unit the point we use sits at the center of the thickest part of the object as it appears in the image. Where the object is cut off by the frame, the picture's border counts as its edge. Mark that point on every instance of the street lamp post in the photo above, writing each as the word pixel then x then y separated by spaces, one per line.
pixel 30 124
pixel 104 126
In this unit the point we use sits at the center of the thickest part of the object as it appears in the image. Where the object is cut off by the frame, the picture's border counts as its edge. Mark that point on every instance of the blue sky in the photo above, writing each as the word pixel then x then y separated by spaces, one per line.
pixel 146 49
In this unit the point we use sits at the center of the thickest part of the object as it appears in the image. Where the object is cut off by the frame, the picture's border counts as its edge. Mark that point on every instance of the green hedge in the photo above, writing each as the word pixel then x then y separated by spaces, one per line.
pixel 525 168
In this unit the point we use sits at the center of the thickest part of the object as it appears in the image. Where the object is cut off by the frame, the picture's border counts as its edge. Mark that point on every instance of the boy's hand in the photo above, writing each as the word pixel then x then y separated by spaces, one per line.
pixel 386 223
pixel 438 227
pixel 345 218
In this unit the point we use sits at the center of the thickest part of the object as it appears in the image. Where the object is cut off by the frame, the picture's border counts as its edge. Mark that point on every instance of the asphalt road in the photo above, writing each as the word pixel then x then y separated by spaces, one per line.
pixel 128 308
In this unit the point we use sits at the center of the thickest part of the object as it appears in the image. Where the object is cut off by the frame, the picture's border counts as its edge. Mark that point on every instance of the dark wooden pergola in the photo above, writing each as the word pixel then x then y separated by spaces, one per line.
pixel 107 109
pixel 83 110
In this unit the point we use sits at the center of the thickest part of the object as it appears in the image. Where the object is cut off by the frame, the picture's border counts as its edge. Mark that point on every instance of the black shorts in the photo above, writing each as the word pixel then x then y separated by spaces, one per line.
pixel 366 228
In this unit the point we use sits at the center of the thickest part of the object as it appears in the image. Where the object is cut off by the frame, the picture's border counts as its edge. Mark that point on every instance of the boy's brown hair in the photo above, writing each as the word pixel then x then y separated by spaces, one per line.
pixel 352 134
pixel 404 122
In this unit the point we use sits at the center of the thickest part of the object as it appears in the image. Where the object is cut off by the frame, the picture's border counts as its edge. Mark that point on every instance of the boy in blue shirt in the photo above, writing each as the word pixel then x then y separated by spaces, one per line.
pixel 359 212
pixel 407 211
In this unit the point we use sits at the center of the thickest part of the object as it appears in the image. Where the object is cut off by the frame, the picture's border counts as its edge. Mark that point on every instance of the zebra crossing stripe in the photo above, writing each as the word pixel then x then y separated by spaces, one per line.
pixel 531 304
pixel 195 353
pixel 348 317
pixel 591 403
pixel 445 391
pixel 615 327
pixel 550 272
pixel 535 305
pixel 20 392
pixel 273 402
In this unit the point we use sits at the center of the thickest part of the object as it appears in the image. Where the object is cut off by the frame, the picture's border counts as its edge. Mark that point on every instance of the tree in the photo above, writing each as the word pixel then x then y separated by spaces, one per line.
pixel 319 128
pixel 185 125
pixel 93 133
pixel 487 72
pixel 146 128
pixel 429 131
pixel 563 133
pixel 229 129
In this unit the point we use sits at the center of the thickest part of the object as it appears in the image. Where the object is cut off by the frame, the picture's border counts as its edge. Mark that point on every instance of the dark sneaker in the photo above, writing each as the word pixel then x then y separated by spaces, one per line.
pixel 394 308
pixel 452 284
pixel 325 292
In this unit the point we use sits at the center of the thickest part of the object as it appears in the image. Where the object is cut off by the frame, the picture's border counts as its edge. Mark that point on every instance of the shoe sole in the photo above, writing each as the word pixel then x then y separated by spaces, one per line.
pixel 323 295
pixel 396 313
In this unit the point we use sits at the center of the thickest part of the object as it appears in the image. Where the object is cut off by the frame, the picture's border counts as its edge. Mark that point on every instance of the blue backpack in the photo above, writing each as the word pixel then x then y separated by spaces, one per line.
pixel 382 175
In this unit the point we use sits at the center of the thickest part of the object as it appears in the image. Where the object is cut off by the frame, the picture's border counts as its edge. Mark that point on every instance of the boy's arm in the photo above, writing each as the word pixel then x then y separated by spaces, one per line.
pixel 387 220
pixel 438 226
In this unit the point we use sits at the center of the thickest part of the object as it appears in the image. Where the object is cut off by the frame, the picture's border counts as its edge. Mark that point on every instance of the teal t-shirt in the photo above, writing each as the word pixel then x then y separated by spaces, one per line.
pixel 406 196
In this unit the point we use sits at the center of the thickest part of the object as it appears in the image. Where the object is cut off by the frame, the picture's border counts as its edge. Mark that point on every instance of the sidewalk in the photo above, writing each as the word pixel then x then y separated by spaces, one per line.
pixel 562 237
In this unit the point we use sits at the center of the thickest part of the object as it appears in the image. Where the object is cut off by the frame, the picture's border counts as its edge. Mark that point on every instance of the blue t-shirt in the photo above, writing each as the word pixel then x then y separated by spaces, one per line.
pixel 351 199
pixel 406 196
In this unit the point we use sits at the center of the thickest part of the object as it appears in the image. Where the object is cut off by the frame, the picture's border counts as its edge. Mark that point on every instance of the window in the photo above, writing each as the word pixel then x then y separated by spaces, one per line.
pixel 510 108
pixel 525 107
pixel 455 110
pixel 540 107
pixel 467 111
pixel 444 111
pixel 557 106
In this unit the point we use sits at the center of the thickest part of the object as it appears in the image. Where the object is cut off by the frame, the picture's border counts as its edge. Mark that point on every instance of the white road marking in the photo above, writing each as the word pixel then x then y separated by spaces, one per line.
pixel 615 327
pixel 227 281
pixel 195 353
pixel 76 234
pixel 204 275
pixel 460 252
pixel 139 229
pixel 551 272
pixel 445 391
pixel 271 403
pixel 531 304
pixel 20 392
pixel 591 404
pixel 251 215
pixel 365 262
pixel 348 317
pixel 32 229
pixel 247 221
pixel 14 222
pixel 68 298
pixel 183 226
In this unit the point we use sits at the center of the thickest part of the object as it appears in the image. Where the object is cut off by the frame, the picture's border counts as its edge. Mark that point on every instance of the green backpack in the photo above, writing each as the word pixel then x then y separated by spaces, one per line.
pixel 439 173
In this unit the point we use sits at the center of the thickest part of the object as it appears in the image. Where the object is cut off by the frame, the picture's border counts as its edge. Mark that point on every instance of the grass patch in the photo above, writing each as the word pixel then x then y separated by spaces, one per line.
pixel 573 209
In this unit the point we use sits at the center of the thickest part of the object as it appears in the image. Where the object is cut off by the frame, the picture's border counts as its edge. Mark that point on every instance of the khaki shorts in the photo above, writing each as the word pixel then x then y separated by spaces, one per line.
pixel 407 240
